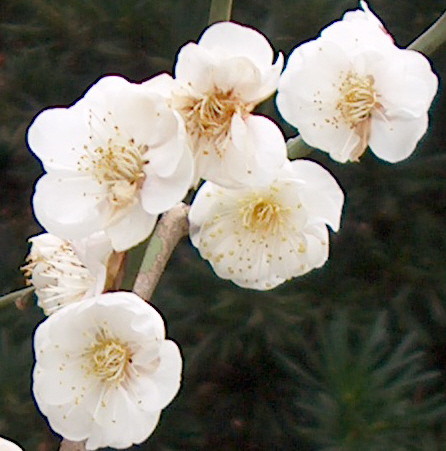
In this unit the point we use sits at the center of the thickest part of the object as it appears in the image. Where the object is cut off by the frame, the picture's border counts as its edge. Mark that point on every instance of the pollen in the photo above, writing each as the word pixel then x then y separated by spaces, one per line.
pixel 209 115
pixel 107 358
pixel 262 214
pixel 119 165
pixel 357 98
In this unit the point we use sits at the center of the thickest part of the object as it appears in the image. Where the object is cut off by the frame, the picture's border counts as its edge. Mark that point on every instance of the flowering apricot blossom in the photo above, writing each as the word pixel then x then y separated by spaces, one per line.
pixel 258 237
pixel 114 160
pixel 352 88
pixel 104 370
pixel 218 82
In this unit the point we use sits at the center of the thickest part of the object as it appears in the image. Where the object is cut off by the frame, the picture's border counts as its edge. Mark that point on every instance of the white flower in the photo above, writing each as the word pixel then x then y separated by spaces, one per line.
pixel 64 272
pixel 218 82
pixel 6 445
pixel 352 88
pixel 104 370
pixel 260 237
pixel 114 161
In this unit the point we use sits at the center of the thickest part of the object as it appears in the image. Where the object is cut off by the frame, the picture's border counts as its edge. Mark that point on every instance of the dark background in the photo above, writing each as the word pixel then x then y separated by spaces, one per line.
pixel 349 357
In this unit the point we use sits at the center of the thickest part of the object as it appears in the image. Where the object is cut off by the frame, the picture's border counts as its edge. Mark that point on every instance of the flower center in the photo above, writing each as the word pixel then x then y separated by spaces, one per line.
pixel 210 115
pixel 358 98
pixel 120 167
pixel 108 359
pixel 261 214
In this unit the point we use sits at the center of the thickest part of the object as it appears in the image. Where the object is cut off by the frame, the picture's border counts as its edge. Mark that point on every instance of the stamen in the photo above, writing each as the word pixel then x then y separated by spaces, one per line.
pixel 358 98
pixel 108 359
pixel 119 165
pixel 209 115
pixel 259 214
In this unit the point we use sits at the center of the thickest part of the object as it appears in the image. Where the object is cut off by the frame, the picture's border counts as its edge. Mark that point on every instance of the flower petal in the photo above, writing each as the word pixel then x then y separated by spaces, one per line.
pixel 131 228
pixel 256 152
pixel 405 83
pixel 234 40
pixel 57 137
pixel 395 139
pixel 322 196
pixel 194 67
pixel 68 207
pixel 159 194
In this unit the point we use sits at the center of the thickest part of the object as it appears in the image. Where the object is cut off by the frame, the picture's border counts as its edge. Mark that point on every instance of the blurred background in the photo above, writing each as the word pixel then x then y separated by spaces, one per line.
pixel 349 357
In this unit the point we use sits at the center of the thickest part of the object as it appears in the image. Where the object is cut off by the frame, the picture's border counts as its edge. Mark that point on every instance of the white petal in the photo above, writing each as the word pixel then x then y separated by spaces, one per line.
pixel 146 118
pixel 119 423
pixel 317 246
pixel 68 207
pixel 101 94
pixel 311 71
pixel 256 151
pixel 163 84
pixel 239 75
pixel 136 316
pixel 154 390
pixel 164 155
pixel 356 36
pixel 132 228
pixel 195 67
pixel 167 377
pixel 394 139
pixel 234 40
pixel 6 445
pixel 265 142
pixel 57 136
pixel 230 57
pixel 322 196
pixel 405 83
pixel 159 194
pixel 200 209
pixel 60 380
pixel 70 421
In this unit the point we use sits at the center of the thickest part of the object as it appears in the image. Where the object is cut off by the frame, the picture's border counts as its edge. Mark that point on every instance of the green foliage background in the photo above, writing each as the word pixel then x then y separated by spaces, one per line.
pixel 350 357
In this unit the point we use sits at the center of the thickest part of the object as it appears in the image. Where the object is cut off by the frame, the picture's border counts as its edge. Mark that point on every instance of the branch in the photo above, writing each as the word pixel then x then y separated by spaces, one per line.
pixel 18 296
pixel 297 148
pixel 68 445
pixel 432 39
pixel 220 11
pixel 172 226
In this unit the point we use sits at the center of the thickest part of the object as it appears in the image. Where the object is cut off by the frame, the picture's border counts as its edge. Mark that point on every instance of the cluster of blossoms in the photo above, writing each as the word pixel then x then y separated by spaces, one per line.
pixel 126 152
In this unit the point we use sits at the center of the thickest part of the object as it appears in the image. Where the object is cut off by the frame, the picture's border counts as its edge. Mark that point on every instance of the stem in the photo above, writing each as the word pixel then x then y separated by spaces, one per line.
pixel 68 445
pixel 18 296
pixel 220 11
pixel 432 39
pixel 172 226
pixel 297 148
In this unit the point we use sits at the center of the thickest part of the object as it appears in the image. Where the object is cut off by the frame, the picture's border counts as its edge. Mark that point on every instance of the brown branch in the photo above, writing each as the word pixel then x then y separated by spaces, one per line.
pixel 172 226
pixel 68 445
